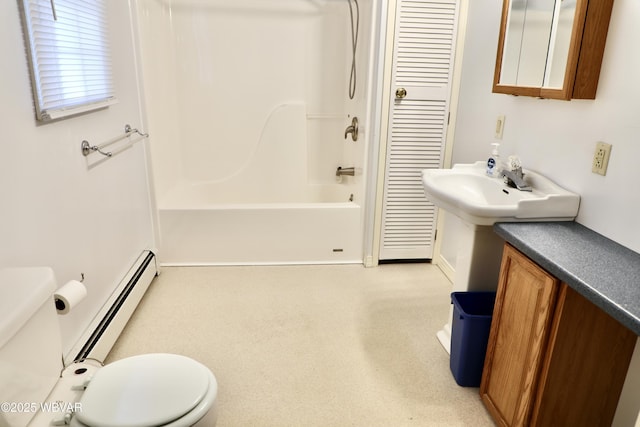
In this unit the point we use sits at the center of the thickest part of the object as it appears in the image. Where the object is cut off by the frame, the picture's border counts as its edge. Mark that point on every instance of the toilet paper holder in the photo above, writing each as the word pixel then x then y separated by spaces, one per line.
pixel 69 295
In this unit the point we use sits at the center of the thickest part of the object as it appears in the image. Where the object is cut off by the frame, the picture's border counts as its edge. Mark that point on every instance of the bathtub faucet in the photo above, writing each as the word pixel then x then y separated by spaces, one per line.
pixel 345 171
pixel 353 129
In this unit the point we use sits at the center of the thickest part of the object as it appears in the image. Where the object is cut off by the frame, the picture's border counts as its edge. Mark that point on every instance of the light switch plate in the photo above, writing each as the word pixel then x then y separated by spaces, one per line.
pixel 499 126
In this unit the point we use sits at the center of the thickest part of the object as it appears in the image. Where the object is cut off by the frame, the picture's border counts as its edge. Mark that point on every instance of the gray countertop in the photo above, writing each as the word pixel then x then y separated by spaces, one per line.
pixel 603 271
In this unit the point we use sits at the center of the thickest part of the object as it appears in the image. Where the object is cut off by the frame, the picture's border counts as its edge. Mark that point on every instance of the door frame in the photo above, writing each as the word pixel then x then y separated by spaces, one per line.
pixel 379 144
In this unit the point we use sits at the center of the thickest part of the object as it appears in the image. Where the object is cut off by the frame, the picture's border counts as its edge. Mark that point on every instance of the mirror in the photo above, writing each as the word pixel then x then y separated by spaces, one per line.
pixel 551 48
pixel 560 41
pixel 527 42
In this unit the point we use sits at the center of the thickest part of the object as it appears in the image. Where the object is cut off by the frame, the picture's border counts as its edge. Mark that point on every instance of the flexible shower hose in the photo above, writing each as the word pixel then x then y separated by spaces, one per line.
pixel 354 44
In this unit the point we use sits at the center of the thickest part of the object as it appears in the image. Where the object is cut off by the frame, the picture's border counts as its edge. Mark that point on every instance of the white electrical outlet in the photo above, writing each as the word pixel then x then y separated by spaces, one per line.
pixel 601 158
pixel 499 126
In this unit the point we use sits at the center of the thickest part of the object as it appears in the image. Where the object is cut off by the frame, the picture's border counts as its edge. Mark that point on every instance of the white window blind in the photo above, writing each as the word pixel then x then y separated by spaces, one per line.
pixel 69 54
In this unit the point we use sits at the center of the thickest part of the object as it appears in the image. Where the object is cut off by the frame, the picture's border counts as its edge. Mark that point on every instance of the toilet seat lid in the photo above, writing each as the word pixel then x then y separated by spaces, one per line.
pixel 142 391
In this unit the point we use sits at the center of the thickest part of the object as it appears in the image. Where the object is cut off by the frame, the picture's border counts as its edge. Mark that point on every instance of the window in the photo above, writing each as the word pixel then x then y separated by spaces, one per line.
pixel 68 50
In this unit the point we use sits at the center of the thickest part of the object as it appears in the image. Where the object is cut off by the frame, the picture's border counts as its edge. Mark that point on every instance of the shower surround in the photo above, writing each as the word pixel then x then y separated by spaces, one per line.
pixel 247 103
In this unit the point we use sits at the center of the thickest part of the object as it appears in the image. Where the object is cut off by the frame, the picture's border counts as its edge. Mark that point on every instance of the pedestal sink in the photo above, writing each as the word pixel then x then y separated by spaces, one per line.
pixel 466 191
pixel 480 201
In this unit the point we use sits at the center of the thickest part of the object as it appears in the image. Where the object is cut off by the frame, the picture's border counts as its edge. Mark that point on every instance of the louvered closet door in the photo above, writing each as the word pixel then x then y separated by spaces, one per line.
pixel 422 68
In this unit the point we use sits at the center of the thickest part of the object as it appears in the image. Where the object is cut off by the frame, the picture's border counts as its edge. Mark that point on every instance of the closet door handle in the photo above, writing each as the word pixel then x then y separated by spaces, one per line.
pixel 401 93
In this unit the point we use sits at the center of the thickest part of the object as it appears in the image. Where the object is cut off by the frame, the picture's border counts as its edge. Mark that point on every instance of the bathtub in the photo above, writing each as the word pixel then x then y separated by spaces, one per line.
pixel 199 226
pixel 247 106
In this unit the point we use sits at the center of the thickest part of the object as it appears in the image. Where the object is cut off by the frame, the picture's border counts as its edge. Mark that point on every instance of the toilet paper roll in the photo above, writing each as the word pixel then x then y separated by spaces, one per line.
pixel 69 295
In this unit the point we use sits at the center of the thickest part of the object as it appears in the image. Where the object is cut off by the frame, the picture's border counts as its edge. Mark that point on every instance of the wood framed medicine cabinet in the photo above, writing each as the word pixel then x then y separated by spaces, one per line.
pixel 551 48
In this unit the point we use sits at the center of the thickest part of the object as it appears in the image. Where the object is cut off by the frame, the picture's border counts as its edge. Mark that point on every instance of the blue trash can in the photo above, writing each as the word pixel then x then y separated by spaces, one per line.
pixel 472 313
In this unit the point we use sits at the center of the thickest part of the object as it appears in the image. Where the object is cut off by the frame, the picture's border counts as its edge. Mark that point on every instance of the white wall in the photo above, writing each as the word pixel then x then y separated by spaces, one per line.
pixel 557 138
pixel 54 210
pixel 274 75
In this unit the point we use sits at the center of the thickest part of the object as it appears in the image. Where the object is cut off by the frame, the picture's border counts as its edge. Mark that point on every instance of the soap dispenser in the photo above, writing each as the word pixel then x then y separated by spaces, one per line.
pixel 493 162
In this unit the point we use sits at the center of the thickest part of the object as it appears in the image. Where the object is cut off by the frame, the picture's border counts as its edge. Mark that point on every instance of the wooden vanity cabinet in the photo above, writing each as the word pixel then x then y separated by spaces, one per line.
pixel 553 357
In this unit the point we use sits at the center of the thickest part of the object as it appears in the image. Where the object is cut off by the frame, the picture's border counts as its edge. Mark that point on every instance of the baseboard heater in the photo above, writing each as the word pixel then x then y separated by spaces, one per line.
pixel 116 312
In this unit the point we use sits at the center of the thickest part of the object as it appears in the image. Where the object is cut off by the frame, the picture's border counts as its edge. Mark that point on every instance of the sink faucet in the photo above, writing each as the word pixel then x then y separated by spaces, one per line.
pixel 353 129
pixel 515 178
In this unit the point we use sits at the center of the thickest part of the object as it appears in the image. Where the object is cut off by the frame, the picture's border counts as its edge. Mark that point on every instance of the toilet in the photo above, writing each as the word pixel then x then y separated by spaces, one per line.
pixel 147 390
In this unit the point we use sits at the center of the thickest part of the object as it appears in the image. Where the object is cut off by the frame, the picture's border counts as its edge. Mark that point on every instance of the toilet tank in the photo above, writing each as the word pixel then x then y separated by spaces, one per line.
pixel 30 342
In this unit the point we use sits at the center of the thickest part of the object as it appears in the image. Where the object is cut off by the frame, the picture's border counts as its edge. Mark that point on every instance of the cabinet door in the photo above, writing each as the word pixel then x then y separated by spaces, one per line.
pixel 588 357
pixel 519 332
